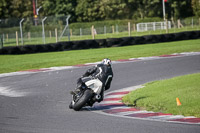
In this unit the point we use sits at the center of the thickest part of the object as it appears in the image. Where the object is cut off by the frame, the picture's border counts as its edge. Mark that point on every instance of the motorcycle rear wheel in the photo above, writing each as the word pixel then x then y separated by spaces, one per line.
pixel 83 100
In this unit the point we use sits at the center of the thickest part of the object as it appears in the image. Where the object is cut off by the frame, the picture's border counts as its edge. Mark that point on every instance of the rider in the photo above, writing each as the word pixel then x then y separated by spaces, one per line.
pixel 103 72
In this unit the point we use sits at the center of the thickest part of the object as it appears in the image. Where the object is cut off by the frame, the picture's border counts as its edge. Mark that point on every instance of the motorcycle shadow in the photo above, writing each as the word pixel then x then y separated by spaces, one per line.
pixel 102 107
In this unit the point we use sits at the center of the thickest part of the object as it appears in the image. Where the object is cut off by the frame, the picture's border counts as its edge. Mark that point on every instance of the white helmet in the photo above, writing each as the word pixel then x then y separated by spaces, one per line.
pixel 106 61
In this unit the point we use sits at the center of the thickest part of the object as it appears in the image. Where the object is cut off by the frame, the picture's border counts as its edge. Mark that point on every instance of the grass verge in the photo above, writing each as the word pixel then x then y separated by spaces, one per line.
pixel 160 96
pixel 11 63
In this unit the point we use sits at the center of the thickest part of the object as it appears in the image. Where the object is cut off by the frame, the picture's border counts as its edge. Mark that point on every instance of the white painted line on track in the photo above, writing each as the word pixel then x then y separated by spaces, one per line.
pixel 10 92
pixel 167 117
pixel 127 89
pixel 109 102
pixel 113 96
pixel 132 112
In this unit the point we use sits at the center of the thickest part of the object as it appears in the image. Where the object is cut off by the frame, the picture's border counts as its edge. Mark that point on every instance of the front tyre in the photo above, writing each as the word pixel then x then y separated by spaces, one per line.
pixel 71 106
pixel 83 100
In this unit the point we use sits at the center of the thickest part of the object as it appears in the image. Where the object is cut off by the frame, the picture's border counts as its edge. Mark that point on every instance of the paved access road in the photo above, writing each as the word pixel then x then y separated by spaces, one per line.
pixel 38 102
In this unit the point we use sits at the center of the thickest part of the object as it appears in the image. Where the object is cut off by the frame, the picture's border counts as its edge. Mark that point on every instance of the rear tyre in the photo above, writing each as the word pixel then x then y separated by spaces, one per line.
pixel 83 100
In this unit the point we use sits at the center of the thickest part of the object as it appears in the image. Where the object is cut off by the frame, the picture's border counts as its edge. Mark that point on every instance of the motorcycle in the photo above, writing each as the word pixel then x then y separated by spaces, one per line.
pixel 87 92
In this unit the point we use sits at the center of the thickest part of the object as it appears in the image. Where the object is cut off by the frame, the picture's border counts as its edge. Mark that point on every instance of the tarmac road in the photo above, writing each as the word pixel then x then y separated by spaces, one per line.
pixel 38 102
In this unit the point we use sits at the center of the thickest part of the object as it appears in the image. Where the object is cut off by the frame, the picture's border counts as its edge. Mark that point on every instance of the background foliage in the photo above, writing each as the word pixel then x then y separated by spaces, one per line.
pixel 96 10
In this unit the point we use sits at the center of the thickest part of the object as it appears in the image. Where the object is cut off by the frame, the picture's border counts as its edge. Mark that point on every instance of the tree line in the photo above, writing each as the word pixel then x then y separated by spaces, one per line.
pixel 97 10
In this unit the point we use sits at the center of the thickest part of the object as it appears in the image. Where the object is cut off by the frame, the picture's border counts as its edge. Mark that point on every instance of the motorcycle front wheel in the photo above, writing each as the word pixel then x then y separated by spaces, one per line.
pixel 83 100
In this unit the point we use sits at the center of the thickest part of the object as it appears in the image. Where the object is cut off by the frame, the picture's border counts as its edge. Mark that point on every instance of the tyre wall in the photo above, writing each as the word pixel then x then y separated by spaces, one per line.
pixel 100 43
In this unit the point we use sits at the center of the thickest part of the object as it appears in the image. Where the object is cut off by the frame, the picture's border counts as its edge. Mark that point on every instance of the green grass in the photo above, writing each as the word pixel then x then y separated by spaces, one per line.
pixel 160 96
pixel 11 63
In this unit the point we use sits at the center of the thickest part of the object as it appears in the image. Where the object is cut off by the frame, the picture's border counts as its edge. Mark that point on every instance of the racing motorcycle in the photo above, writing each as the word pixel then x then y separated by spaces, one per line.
pixel 86 93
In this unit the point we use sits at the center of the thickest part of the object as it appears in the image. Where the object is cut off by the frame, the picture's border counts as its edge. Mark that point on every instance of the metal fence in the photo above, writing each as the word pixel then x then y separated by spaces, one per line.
pixel 153 26
pixel 52 29
pixel 33 30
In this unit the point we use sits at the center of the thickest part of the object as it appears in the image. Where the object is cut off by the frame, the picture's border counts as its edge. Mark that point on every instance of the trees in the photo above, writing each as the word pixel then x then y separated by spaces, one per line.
pixel 94 10
pixel 180 8
pixel 4 9
pixel 115 9
pixel 59 7
pixel 89 10
pixel 145 8
pixel 196 7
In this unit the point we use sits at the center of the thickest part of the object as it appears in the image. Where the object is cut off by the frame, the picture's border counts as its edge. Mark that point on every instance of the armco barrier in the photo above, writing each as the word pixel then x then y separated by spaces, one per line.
pixel 100 43
pixel 127 41
pixel 113 42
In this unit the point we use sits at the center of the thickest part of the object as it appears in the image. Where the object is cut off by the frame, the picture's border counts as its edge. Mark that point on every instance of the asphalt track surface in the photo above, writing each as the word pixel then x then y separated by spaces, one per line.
pixel 39 101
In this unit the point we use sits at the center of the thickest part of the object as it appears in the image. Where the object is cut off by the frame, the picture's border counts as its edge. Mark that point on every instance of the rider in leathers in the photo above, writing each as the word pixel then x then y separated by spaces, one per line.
pixel 103 72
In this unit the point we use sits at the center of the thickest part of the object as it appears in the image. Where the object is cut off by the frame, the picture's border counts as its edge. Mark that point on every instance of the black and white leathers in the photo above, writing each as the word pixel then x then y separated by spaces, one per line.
pixel 102 72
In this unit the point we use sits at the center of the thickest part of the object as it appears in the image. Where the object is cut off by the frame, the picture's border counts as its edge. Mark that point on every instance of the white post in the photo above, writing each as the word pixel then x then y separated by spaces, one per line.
pixel 29 35
pixel 67 24
pixel 154 26
pixel 167 31
pixel 7 37
pixel 146 27
pixel 129 28
pixel 117 29
pixel 38 9
pixel 50 34
pixel 163 9
pixel 105 30
pixel 17 42
pixel 56 34
pixel 113 29
pixel 138 28
pixel 92 32
pixel 80 31
pixel 20 23
pixel 43 33
pixel 192 23
pixel 71 33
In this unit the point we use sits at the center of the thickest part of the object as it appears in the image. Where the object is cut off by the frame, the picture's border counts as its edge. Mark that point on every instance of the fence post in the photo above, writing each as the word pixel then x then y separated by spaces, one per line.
pixel 192 23
pixel 80 31
pixel 29 35
pixel 17 41
pixel 134 27
pixel 105 30
pixel 199 21
pixel 129 28
pixel 71 34
pixel 50 34
pixel 66 26
pixel 1 42
pixel 166 20
pixel 146 29
pixel 117 29
pixel 92 32
pixel 43 33
pixel 56 34
pixel 154 26
pixel 7 37
pixel 174 24
pixel 20 23
pixel 113 29
pixel 179 24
